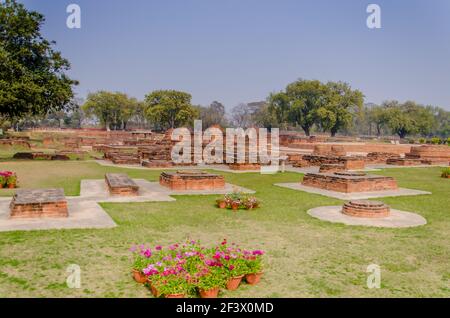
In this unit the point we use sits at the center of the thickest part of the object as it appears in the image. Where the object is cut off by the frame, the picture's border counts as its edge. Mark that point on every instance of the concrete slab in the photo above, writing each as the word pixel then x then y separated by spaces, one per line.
pixel 148 191
pixel 397 219
pixel 352 196
pixel 82 215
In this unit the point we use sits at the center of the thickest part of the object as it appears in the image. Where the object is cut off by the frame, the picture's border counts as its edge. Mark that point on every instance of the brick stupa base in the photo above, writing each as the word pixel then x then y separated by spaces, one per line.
pixel 121 184
pixel 349 182
pixel 244 166
pixel 404 162
pixel 330 168
pixel 39 203
pixel 366 209
pixel 191 180
pixel 157 163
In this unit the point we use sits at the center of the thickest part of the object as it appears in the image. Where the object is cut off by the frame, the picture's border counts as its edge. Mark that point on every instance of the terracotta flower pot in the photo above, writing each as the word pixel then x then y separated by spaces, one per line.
pixel 235 206
pixel 222 204
pixel 154 290
pixel 253 279
pixel 1 186
pixel 11 186
pixel 139 276
pixel 233 282
pixel 175 296
pixel 211 293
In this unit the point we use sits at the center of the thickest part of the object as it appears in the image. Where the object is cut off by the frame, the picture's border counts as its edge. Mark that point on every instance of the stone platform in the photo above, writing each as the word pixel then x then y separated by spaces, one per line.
pixel 349 182
pixel 331 168
pixel 39 203
pixel 121 184
pixel 396 219
pixel 404 162
pixel 366 209
pixel 191 180
pixel 355 195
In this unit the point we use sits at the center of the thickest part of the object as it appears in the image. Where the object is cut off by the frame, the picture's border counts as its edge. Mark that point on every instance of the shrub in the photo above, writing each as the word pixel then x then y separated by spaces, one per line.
pixel 445 173
pixel 422 140
pixel 2 181
pixel 435 140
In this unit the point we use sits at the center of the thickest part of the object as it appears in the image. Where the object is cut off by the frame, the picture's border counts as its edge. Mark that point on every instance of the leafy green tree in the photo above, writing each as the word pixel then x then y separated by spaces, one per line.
pixel 114 110
pixel 214 114
pixel 32 74
pixel 169 108
pixel 299 103
pixel 340 106
pixel 408 118
pixel 378 116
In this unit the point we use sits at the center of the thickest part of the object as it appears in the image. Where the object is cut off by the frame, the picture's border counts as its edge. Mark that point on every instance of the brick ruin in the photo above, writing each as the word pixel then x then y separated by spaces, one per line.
pixel 121 184
pixel 366 209
pixel 191 180
pixel 404 162
pixel 39 203
pixel 331 168
pixel 349 182
pixel 349 163
pixel 13 142
pixel 433 154
pixel 380 157
pixel 40 156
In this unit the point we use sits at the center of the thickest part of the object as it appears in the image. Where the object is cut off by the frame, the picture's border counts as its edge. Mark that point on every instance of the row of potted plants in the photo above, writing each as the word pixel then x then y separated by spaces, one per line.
pixel 8 179
pixel 190 269
pixel 237 200
pixel 446 173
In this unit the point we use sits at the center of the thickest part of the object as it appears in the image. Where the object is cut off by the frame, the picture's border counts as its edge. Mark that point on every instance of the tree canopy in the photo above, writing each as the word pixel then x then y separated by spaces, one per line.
pixel 32 73
pixel 113 110
pixel 169 108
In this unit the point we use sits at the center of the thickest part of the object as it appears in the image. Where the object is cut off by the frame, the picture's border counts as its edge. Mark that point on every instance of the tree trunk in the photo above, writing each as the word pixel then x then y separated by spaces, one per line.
pixel 306 129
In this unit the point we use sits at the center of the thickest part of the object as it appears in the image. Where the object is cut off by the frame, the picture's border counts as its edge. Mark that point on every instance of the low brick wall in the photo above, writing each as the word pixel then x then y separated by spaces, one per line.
pixel 366 209
pixel 39 203
pixel 244 166
pixel 349 182
pixel 121 184
pixel 157 164
pixel 380 157
pixel 191 180
pixel 404 162
pixel 430 153
pixel 330 168
pixel 350 163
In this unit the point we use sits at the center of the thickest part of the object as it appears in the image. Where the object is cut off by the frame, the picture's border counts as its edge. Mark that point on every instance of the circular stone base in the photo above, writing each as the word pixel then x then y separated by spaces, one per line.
pixel 366 209
pixel 396 219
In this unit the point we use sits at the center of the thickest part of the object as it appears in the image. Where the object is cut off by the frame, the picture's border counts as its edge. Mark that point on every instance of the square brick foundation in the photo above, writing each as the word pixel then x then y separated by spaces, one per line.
pixel 348 182
pixel 244 166
pixel 39 203
pixel 121 184
pixel 191 180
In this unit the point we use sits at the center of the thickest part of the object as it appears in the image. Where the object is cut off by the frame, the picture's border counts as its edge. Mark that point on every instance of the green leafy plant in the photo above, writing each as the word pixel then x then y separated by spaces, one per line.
pixel 170 285
pixel 2 180
pixel 445 173
pixel 11 180
pixel 435 140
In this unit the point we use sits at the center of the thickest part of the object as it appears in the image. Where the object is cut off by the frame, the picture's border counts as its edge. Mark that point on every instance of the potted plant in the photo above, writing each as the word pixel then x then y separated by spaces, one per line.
pixel 170 286
pixel 11 181
pixel 209 283
pixel 221 203
pixel 254 269
pixel 251 203
pixel 2 181
pixel 446 173
pixel 235 204
pixel 142 258
pixel 236 271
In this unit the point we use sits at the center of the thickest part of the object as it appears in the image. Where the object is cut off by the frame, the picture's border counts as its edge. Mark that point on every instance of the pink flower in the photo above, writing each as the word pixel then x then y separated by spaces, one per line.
pixel 148 253
pixel 258 252
pixel 158 247
pixel 231 267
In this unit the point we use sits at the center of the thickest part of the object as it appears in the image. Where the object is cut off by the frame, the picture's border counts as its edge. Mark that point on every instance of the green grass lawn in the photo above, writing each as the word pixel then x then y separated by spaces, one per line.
pixel 305 257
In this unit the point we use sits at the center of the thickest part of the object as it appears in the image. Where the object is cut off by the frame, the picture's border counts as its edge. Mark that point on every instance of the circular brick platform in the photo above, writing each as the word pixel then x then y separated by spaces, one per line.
pixel 396 219
pixel 366 209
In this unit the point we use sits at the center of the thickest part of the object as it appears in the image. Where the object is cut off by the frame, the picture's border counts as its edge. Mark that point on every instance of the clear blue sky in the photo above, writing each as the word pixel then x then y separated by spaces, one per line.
pixel 241 50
